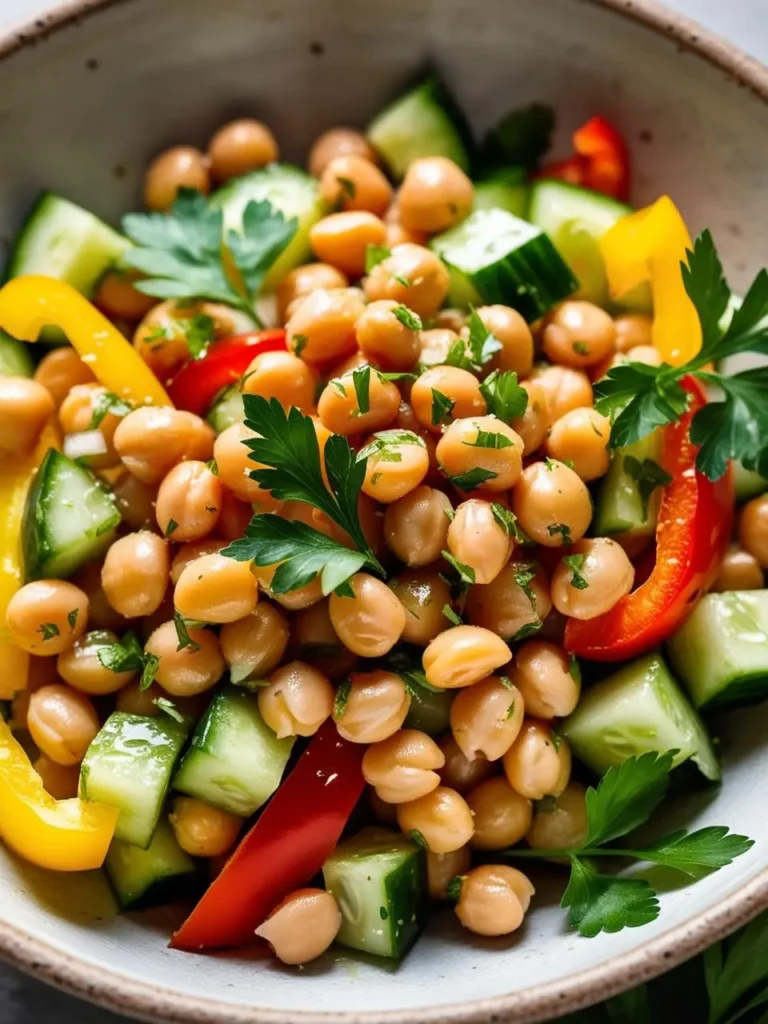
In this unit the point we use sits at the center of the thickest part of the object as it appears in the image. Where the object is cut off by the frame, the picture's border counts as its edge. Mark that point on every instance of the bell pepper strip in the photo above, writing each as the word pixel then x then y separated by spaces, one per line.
pixel 649 245
pixel 600 161
pixel 692 535
pixel 61 835
pixel 198 382
pixel 29 303
pixel 290 842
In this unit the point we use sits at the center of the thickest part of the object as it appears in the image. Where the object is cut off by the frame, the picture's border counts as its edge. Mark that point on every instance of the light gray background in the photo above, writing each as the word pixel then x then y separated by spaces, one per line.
pixel 23 1001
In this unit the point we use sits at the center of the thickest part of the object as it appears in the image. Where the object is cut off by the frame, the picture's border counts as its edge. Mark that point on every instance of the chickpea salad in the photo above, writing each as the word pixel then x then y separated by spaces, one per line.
pixel 371 531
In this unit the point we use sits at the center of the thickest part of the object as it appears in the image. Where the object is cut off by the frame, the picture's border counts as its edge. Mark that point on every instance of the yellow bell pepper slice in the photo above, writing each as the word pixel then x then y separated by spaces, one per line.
pixel 61 835
pixel 649 245
pixel 29 303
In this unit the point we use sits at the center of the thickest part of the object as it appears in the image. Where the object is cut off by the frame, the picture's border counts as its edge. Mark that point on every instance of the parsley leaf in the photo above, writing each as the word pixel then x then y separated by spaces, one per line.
pixel 442 407
pixel 521 138
pixel 107 402
pixel 627 795
pixel 574 563
pixel 648 475
pixel 171 527
pixel 483 344
pixel 375 254
pixel 503 395
pixel 405 661
pixel 199 331
pixel 265 234
pixel 72 617
pixel 361 379
pixel 736 968
pixel 182 634
pixel 697 853
pixel 736 427
pixel 489 439
pixel 606 903
pixel 418 838
pixel 524 575
pixel 407 317
pixel 341 699
pixel 451 615
pixel 563 529
pixel 466 572
pixel 507 520
pixel 127 655
pixel 148 673
pixel 453 889
pixel 169 708
pixel 472 478
pixel 49 630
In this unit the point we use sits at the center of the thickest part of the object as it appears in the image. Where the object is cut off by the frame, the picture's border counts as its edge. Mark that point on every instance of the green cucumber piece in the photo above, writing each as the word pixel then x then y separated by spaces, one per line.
pixel 620 508
pixel 69 518
pixel 507 189
pixel 378 880
pixel 721 651
pixel 160 874
pixel 227 408
pixel 746 483
pixel 129 765
pixel 638 709
pixel 234 761
pixel 15 357
pixel 493 256
pixel 425 121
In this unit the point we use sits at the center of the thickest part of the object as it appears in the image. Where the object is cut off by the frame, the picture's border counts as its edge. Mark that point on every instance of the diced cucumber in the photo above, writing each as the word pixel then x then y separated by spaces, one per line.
pixel 15 357
pixel 289 190
pixel 160 874
pixel 620 507
pixel 423 122
pixel 746 483
pixel 639 708
pixel 68 518
pixel 721 651
pixel 430 711
pixel 129 765
pixel 235 761
pixel 507 189
pixel 377 878
pixel 227 408
pixel 493 256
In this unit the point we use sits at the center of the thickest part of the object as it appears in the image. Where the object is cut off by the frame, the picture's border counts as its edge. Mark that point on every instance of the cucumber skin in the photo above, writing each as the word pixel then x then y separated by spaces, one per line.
pixel 502 191
pixel 221 414
pixel 619 509
pixel 163 873
pixel 15 357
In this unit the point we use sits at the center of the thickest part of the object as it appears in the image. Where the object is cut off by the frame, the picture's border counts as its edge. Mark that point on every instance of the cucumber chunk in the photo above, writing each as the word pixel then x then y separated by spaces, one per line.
pixel 493 256
pixel 507 189
pixel 620 505
pixel 377 878
pixel 69 517
pixel 160 874
pixel 423 122
pixel 721 651
pixel 746 483
pixel 289 190
pixel 15 357
pixel 129 765
pixel 639 708
pixel 227 408
pixel 235 761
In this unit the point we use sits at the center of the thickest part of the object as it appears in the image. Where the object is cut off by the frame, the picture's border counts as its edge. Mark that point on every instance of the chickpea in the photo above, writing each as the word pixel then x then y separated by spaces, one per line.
pixel 214 588
pixel 81 668
pixel 352 182
pixel 303 280
pixel 416 526
pixel 371 622
pixel 151 441
pixel 427 278
pixel 135 701
pixel 342 239
pixel 239 147
pixel 560 823
pixel 398 461
pixel 423 594
pixel 202 830
pixel 339 408
pixel 486 718
pixel 376 706
pixel 578 334
pixel 459 772
pixel 336 142
pixel 62 722
pixel 435 195
pixel 397 234
pixel 191 670
pixel 442 820
pixel 580 437
pixel 462 656
pixel 293 600
pixel 739 571
pixel 647 354
pixel 60 370
pixel 25 408
pixel 189 501
pixel 297 700
pixel 466 447
pixel 322 329
pixel 385 339
pixel 538 764
pixel 135 501
pixel 314 640
pixel 532 426
pixel 564 388
pixel 189 553
pixel 632 330
pixel 403 767
pixel 117 297
pixel 101 614
pixel 542 673
pixel 235 465
pixel 502 815
pixel 514 603
pixel 283 376
pixel 477 539
pixel 234 517
pixel 442 868
pixel 510 328
pixel 254 645
pixel 47 616
pixel 135 574
pixel 604 576
pixel 435 345
pixel 552 504
pixel 61 781
pixel 457 386
pixel 75 415
pixel 302 926
pixel 180 167
pixel 494 899
pixel 753 529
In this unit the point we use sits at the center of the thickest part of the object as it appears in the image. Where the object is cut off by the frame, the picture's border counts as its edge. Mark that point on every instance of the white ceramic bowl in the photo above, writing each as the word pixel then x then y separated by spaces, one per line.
pixel 86 96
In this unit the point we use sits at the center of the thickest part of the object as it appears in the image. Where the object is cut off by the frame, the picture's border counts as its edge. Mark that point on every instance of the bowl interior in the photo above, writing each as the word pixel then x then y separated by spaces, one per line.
pixel 83 110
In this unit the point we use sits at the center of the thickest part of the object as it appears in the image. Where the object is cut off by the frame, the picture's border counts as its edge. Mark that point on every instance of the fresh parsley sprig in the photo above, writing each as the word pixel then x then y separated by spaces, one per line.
pixel 127 655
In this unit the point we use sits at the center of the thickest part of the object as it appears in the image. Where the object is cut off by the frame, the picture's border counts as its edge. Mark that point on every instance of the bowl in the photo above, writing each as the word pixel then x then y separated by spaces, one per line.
pixel 87 95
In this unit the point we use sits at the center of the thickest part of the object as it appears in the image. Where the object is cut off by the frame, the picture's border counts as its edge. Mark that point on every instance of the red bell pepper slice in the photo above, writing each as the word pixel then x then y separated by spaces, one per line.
pixel 289 843
pixel 601 160
pixel 198 382
pixel 691 538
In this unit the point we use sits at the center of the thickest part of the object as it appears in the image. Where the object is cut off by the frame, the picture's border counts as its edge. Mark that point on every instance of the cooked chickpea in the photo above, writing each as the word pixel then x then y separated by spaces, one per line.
pixel 486 718
pixel 60 780
pixel 135 574
pixel 580 438
pixel 101 614
pixel 435 344
pixel 739 570
pixel 375 707
pixel 235 465
pixel 339 408
pixel 303 926
pixel 543 674
pixel 234 517
pixel 189 501
pixel 560 823
pixel 371 622
pixel 297 700
pixel 564 388
pixel 342 239
pixel 214 588
pixel 454 385
pixel 426 276
pixel 151 441
pixel 283 376
pixel 462 656
pixel 578 334
pixel 75 415
pixel 423 594
pixel 254 645
pixel 62 722
pixel 397 234
pixel 336 142
pixel 510 328
pixel 397 462
pixel 135 501
pixel 647 354
pixel 25 408
pixel 293 600
pixel 532 426
pixel 60 370
pixel 305 279
pixel 202 830
pixel 442 868
pixel 459 772
pixel 538 763
pixel 322 329
pixel 632 330
pixel 483 443
pixel 314 640
pixel 180 167
pixel 502 815
pixel 119 299
pixel 189 553
pixel 385 339
pixel 476 538
pixel 435 195
pixel 239 147
pixel 753 529
pixel 191 670
pixel 494 899
pixel 47 616
pixel 135 701
pixel 403 767
pixel 513 603
pixel 352 182
pixel 162 337
pixel 416 526
pixel 552 504
pixel 442 819
pixel 80 666
pixel 604 575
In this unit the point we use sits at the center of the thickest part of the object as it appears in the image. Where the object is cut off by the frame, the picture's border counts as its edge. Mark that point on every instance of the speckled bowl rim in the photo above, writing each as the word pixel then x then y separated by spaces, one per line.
pixel 116 992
